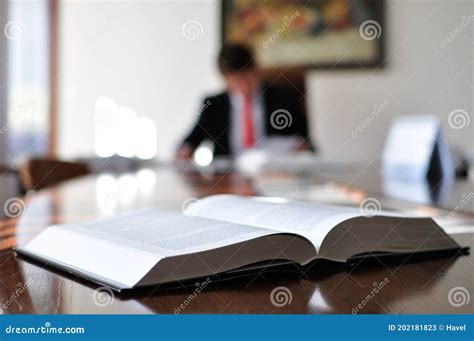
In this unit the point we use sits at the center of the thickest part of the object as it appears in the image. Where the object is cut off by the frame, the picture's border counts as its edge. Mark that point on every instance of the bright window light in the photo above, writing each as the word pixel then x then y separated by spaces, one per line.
pixel 120 131
pixel 103 145
pixel 126 132
pixel 146 180
pixel 203 155
pixel 104 122
pixel 146 138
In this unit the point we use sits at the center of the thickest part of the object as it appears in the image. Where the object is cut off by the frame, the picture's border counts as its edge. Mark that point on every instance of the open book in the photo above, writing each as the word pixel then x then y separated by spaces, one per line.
pixel 225 233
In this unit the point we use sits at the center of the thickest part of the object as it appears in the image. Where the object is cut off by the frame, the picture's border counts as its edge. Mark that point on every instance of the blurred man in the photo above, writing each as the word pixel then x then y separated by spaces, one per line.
pixel 248 113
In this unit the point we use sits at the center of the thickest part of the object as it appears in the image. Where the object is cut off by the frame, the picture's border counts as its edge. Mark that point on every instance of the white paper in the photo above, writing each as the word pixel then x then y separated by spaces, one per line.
pixel 411 145
pixel 165 233
pixel 310 220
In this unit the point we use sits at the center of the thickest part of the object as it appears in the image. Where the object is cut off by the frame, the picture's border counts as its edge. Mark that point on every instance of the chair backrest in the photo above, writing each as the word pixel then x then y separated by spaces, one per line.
pixel 7 170
pixel 293 79
pixel 40 173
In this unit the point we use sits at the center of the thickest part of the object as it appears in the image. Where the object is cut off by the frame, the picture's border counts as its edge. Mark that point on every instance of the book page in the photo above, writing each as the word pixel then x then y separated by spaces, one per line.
pixel 310 220
pixel 164 233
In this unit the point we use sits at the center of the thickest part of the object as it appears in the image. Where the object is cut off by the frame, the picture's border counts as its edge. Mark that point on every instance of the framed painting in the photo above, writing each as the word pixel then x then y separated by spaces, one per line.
pixel 308 33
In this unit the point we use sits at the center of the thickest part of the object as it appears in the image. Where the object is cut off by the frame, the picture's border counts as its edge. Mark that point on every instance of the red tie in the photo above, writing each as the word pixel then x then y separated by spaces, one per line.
pixel 249 135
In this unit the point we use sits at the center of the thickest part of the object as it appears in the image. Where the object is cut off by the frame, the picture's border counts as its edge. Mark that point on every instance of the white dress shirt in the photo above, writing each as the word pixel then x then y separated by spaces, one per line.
pixel 237 124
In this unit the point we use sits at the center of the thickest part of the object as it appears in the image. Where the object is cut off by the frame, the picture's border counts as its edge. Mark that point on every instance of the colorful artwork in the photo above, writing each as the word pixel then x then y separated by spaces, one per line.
pixel 298 33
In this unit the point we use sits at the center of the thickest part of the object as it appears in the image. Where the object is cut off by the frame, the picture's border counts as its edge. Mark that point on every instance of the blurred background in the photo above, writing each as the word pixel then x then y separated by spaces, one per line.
pixel 119 82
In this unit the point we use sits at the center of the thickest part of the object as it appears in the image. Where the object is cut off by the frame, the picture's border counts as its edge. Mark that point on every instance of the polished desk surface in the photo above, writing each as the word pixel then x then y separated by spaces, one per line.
pixel 413 285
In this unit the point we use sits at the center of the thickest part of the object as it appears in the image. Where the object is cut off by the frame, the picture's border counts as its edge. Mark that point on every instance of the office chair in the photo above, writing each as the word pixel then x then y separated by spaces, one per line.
pixel 40 173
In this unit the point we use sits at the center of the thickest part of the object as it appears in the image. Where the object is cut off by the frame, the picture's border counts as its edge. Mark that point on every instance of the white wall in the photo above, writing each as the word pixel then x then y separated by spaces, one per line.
pixel 420 77
pixel 136 54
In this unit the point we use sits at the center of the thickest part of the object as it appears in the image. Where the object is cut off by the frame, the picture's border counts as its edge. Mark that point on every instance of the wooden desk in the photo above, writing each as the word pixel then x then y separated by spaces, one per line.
pixel 412 286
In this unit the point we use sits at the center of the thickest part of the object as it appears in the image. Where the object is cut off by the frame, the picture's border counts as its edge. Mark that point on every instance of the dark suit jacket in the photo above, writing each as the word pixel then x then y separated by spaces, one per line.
pixel 214 119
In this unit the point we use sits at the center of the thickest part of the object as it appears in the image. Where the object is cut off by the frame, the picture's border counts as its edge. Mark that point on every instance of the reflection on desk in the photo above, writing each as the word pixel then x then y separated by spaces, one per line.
pixel 412 285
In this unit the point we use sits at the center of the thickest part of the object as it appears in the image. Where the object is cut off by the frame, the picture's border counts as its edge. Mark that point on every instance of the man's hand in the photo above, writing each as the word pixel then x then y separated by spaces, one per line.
pixel 185 152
